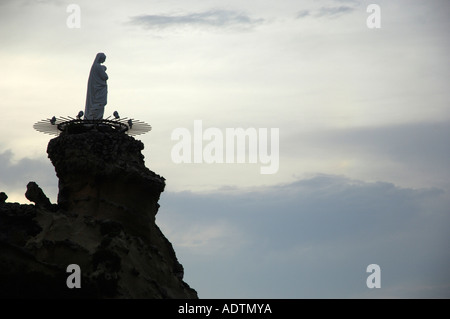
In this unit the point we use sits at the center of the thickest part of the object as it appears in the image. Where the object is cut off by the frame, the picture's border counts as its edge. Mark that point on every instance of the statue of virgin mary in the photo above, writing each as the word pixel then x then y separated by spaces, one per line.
pixel 97 90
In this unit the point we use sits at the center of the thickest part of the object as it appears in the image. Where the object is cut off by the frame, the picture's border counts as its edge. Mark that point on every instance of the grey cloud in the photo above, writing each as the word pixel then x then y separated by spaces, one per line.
pixel 333 11
pixel 215 18
pixel 51 2
pixel 314 238
pixel 15 176
pixel 325 12
pixel 422 149
pixel 355 2
pixel 303 14
pixel 424 142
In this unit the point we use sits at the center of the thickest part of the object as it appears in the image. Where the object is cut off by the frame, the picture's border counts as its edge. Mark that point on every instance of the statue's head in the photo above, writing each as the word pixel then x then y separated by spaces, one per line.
pixel 100 58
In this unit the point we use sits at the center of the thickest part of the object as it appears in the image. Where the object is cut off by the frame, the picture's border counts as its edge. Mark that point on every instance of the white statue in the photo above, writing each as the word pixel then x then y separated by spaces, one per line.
pixel 97 90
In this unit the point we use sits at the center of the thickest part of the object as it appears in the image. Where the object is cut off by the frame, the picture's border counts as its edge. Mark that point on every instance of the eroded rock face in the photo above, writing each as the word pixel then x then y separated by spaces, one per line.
pixel 104 222
pixel 104 175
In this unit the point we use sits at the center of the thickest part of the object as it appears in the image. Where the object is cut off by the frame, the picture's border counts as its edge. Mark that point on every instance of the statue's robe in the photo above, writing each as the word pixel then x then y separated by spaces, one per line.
pixel 97 90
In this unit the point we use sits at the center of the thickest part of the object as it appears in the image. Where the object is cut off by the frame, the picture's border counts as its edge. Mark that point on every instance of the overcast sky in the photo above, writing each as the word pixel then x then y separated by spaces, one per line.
pixel 363 116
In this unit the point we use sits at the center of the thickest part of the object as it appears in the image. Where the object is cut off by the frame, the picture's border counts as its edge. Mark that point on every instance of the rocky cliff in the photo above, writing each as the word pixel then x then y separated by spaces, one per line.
pixel 104 222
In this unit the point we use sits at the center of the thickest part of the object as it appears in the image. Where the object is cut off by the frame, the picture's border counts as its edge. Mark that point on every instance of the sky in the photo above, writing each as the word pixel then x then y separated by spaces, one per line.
pixel 362 112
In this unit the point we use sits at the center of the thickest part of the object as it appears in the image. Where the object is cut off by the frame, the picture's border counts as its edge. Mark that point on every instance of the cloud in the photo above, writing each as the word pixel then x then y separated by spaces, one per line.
pixel 420 142
pixel 45 2
pixel 206 238
pixel 312 238
pixel 14 176
pixel 418 150
pixel 334 11
pixel 355 2
pixel 325 12
pixel 303 14
pixel 212 18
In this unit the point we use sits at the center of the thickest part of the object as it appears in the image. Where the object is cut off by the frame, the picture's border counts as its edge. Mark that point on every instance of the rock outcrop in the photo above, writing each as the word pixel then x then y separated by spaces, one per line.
pixel 104 222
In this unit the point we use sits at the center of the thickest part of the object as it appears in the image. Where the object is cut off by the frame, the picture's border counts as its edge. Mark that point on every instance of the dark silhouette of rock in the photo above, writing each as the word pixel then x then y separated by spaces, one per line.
pixel 35 194
pixel 104 222
pixel 3 197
